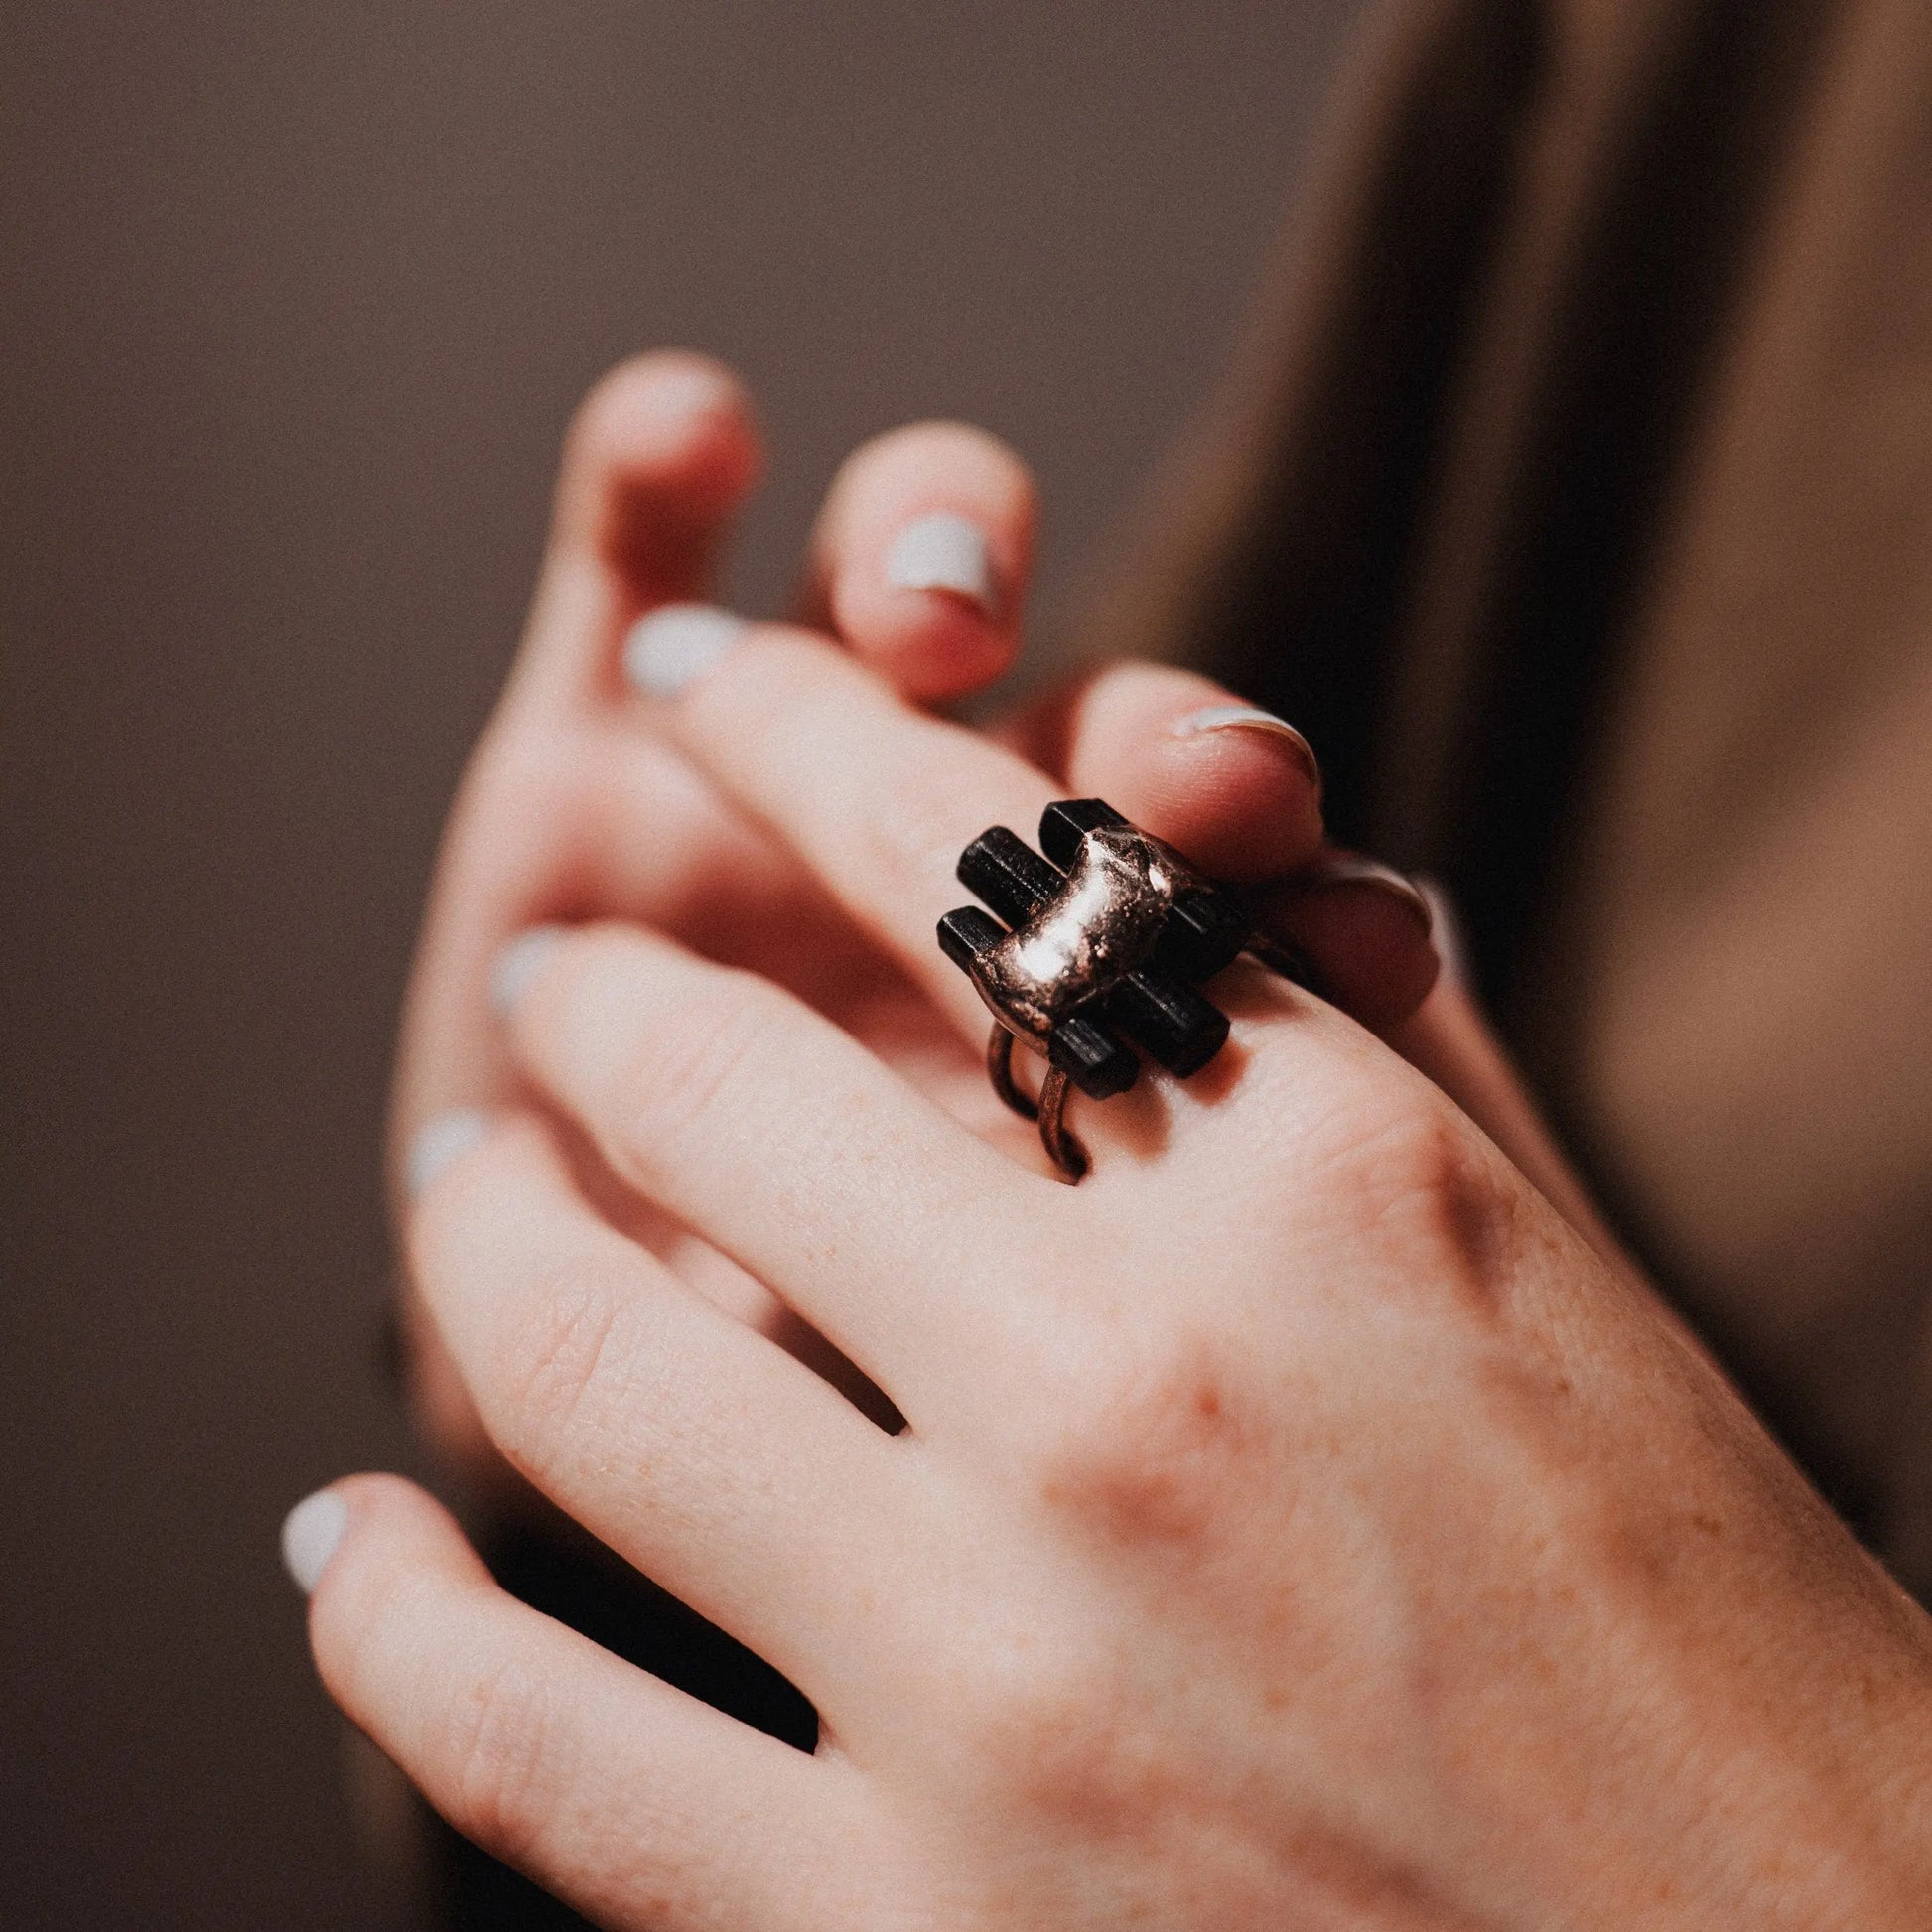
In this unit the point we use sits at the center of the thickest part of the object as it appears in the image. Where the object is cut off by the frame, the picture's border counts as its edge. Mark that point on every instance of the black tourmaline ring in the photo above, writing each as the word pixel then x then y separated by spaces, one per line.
pixel 1106 943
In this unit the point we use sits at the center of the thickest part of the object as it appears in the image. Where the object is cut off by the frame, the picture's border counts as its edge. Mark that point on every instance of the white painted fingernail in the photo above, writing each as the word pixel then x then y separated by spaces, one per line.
pixel 439 1140
pixel 1445 928
pixel 520 963
pixel 673 647
pixel 942 552
pixel 309 1533
pixel 1337 865
pixel 1234 716
pixel 1247 716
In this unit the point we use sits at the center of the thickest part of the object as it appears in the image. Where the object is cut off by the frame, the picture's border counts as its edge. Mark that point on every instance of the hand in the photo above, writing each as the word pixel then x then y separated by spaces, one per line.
pixel 1294 1524
pixel 576 806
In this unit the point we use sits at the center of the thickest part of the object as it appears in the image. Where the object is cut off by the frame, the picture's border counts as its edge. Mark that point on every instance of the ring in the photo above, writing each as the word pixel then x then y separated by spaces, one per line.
pixel 1106 943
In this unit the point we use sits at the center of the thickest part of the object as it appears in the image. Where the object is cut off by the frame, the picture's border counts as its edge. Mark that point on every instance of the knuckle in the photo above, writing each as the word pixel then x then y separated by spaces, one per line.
pixel 1435 1200
pixel 628 389
pixel 606 398
pixel 553 1360
pixel 503 1758
pixel 1064 1732
pixel 685 1080
pixel 1027 1692
pixel 1402 1157
pixel 1154 1452
pixel 521 781
pixel 918 840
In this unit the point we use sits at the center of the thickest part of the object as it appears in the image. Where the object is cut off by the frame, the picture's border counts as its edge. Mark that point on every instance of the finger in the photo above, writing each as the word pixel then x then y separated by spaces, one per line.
pixel 1366 928
pixel 698 1450
pixel 599 821
pixel 879 799
pixel 1237 789
pixel 768 1130
pixel 876 797
pixel 633 1802
pixel 1369 931
pixel 1234 787
pixel 655 463
pixel 922 558
pixel 624 828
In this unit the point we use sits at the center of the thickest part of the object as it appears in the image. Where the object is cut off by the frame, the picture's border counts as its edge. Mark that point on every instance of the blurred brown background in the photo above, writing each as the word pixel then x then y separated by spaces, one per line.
pixel 295 303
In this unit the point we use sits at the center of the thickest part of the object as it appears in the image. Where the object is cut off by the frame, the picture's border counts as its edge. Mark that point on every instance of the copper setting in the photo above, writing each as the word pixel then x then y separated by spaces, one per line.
pixel 1104 944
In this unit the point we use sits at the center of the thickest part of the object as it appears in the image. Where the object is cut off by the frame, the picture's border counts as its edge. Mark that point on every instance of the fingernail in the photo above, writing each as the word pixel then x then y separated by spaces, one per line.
pixel 1247 716
pixel 439 1140
pixel 1446 928
pixel 942 552
pixel 673 647
pixel 309 1533
pixel 1336 866
pixel 520 963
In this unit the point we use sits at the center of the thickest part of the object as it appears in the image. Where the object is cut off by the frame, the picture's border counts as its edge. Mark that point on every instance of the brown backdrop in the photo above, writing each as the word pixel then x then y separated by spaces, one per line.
pixel 295 303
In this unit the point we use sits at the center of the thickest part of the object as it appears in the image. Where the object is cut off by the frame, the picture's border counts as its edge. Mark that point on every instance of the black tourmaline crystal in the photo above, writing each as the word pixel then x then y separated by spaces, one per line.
pixel 1155 1006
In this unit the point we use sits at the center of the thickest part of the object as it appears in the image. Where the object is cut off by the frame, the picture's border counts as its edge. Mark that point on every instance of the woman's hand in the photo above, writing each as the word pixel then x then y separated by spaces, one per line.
pixel 576 806
pixel 1296 1523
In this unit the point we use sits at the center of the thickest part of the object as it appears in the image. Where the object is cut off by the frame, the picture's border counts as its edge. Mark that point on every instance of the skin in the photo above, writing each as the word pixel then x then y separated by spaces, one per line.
pixel 575 805
pixel 1311 1520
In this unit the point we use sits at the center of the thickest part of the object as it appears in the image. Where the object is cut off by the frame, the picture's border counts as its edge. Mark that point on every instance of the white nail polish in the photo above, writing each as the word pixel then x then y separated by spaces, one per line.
pixel 1247 716
pixel 942 552
pixel 673 647
pixel 520 963
pixel 1445 929
pixel 439 1140
pixel 1225 717
pixel 309 1533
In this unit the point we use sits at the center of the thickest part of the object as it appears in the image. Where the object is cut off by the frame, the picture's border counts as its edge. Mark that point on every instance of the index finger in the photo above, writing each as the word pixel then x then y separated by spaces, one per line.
pixel 876 797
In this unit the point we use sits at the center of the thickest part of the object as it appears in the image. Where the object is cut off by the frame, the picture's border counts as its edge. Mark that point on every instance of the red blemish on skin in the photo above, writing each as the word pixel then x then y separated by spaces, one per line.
pixel 1159 1464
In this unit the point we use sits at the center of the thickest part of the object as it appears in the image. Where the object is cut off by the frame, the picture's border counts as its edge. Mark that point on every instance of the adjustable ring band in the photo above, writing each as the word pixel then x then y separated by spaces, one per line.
pixel 999 1069
pixel 1049 1110
pixel 1105 942
pixel 1067 1154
